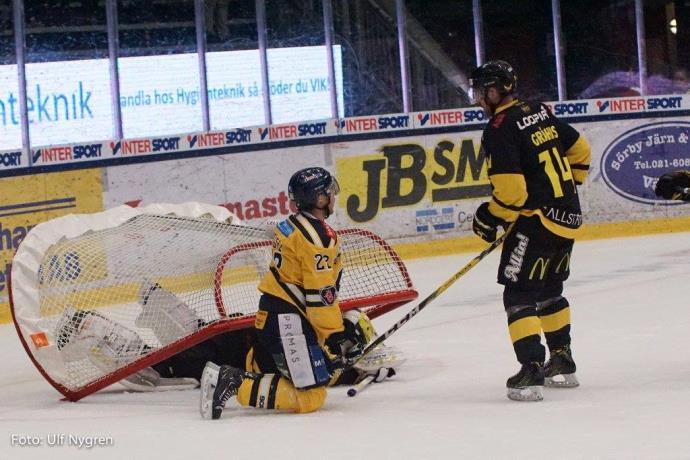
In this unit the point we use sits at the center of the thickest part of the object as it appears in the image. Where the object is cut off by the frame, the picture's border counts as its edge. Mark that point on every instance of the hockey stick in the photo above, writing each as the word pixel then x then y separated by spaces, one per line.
pixel 355 390
pixel 684 192
pixel 440 290
pixel 361 385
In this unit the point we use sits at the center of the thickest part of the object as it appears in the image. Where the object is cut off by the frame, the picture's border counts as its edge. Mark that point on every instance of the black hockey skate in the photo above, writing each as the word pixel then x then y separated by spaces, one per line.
pixel 559 371
pixel 218 384
pixel 528 384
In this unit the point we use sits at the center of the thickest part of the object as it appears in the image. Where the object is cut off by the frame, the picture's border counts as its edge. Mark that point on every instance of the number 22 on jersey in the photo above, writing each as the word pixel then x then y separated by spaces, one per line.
pixel 322 262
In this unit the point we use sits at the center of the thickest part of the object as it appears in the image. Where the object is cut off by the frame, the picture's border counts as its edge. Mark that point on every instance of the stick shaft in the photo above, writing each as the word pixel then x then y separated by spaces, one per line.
pixel 361 385
pixel 440 290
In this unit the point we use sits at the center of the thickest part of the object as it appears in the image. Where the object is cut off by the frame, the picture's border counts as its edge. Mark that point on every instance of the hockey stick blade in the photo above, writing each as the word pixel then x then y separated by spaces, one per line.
pixel 440 290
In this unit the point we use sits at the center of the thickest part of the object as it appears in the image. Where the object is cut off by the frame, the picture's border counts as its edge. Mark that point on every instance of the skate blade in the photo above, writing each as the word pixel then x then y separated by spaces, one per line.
pixel 208 385
pixel 562 381
pixel 531 393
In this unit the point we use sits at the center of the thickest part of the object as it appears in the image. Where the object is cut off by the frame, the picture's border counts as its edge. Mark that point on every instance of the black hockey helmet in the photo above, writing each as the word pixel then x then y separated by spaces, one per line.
pixel 498 74
pixel 307 184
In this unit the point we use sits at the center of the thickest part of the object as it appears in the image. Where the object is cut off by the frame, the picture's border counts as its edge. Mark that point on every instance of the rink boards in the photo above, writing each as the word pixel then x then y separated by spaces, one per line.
pixel 415 179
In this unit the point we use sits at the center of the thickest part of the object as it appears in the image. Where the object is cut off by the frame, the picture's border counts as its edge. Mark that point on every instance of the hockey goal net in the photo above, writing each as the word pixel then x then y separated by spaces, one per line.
pixel 96 298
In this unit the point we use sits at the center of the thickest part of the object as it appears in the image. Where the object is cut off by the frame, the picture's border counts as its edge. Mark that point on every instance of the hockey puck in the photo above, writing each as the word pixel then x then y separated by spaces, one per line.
pixel 351 392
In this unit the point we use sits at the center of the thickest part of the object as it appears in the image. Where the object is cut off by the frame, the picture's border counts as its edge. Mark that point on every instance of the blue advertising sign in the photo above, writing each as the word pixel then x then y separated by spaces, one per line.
pixel 633 162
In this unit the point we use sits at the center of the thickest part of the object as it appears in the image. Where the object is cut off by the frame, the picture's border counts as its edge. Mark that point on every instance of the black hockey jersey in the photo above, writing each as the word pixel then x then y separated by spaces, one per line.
pixel 535 162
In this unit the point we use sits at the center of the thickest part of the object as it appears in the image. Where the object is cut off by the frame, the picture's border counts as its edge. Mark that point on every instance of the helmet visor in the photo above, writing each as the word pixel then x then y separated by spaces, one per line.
pixel 474 93
pixel 334 187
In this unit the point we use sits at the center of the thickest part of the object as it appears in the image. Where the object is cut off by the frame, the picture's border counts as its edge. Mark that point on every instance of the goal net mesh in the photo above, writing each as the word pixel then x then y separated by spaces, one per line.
pixel 111 300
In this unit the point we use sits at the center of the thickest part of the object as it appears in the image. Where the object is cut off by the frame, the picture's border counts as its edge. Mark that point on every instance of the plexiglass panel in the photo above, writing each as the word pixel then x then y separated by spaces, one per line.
pixel 298 63
pixel 10 127
pixel 233 68
pixel 668 59
pixel 159 68
pixel 367 34
pixel 441 49
pixel 522 34
pixel 601 48
pixel 67 73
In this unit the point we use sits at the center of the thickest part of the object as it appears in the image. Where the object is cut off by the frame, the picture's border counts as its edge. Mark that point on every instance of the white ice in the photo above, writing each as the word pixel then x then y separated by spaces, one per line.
pixel 631 320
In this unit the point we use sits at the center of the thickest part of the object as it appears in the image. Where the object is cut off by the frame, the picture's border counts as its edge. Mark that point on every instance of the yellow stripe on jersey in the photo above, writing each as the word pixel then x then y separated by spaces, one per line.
pixel 509 195
pixel 524 327
pixel 556 321
pixel 304 273
pixel 311 231
pixel 503 107
pixel 579 156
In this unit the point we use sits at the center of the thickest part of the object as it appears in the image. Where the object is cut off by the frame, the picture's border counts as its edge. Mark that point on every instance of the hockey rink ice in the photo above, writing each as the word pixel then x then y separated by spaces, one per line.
pixel 631 324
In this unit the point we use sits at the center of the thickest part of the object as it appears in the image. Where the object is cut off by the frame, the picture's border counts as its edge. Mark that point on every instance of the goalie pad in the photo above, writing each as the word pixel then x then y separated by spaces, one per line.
pixel 86 334
pixel 168 316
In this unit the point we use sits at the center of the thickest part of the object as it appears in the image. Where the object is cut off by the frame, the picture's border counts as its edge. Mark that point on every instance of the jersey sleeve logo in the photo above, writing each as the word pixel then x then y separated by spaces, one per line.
pixel 328 295
pixel 286 228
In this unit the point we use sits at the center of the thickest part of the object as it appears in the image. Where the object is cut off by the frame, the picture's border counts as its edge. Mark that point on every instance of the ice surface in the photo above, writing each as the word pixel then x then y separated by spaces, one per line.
pixel 631 320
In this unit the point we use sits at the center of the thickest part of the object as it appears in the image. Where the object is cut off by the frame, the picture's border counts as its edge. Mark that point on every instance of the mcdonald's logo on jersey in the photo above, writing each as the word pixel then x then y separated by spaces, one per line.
pixel 539 268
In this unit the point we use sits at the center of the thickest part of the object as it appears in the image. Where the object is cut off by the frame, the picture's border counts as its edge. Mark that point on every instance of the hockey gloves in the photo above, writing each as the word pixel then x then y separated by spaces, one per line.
pixel 343 347
pixel 485 224
pixel 671 186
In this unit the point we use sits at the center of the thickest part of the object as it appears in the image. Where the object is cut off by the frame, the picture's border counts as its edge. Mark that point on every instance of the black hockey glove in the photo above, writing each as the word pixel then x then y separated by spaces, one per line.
pixel 671 186
pixel 485 224
pixel 343 348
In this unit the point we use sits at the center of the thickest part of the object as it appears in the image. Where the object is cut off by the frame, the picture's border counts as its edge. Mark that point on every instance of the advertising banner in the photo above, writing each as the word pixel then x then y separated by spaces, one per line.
pixel 10 159
pixel 159 95
pixel 413 186
pixel 30 200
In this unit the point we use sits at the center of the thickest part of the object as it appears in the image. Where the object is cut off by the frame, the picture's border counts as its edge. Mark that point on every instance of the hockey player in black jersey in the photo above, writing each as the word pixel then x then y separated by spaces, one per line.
pixel 674 186
pixel 535 163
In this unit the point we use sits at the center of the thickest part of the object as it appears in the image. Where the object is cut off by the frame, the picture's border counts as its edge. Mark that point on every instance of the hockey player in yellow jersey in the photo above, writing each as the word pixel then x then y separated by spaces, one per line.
pixel 301 338
pixel 535 163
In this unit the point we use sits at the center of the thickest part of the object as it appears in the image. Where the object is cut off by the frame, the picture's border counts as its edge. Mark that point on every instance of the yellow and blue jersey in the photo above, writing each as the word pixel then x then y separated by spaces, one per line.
pixel 305 271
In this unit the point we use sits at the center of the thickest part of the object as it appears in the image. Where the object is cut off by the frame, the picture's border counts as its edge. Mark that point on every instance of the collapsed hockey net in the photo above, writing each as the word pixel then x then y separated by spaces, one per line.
pixel 96 298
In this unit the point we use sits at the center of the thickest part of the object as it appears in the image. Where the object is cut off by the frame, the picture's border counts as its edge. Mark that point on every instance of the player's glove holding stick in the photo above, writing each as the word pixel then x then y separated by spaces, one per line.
pixel 674 186
pixel 485 224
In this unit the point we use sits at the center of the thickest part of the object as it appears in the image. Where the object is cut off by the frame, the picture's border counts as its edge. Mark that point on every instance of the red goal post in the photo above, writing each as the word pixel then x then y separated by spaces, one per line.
pixel 106 264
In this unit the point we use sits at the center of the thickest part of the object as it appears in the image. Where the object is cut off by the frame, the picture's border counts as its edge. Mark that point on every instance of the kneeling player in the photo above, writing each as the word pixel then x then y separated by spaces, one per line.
pixel 301 338
pixel 109 345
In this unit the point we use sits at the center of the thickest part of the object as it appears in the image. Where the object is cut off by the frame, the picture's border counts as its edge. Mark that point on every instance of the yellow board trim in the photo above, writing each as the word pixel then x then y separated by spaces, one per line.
pixel 556 321
pixel 472 243
pixel 524 328
pixel 5 315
